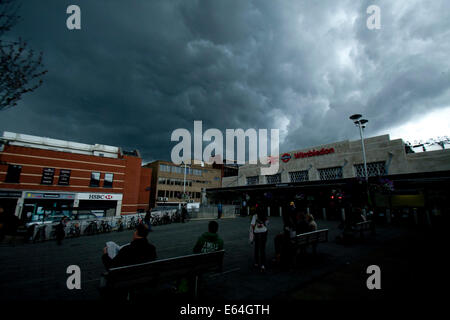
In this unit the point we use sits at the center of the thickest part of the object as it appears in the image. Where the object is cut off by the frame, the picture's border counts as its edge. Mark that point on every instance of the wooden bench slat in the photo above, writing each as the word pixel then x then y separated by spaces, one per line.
pixel 163 270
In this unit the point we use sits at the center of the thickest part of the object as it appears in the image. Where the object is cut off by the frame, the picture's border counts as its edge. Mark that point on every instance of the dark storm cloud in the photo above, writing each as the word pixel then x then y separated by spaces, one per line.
pixel 140 69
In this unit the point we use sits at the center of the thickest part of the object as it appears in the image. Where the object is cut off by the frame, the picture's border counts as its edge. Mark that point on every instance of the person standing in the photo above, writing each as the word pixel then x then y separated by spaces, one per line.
pixel 259 225
pixel 219 210
pixel 60 231
pixel 8 226
pixel 147 220
pixel 184 212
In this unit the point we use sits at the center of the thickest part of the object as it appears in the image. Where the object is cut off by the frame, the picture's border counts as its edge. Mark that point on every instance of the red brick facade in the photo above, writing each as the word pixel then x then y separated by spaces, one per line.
pixel 130 179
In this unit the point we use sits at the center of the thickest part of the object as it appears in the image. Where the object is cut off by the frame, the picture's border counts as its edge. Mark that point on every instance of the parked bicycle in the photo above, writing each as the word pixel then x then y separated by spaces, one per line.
pixel 92 228
pixel 39 234
pixel 74 230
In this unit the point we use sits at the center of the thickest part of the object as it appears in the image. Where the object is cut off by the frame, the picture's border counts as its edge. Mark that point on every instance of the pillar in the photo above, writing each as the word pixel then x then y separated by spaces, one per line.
pixel 324 213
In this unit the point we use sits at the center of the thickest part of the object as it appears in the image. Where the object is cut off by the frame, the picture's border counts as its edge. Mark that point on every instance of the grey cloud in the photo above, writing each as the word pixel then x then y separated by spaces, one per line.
pixel 140 69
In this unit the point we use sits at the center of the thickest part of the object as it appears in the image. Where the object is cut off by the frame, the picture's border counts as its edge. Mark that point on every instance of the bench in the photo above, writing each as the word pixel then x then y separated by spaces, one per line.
pixel 364 226
pixel 151 274
pixel 303 240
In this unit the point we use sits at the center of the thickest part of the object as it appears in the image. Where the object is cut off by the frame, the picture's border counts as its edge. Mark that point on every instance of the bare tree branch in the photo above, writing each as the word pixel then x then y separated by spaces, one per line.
pixel 21 69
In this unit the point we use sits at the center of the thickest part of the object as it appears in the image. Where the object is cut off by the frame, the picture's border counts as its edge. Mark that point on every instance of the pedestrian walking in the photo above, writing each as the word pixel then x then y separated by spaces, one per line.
pixel 219 210
pixel 147 220
pixel 60 231
pixel 259 225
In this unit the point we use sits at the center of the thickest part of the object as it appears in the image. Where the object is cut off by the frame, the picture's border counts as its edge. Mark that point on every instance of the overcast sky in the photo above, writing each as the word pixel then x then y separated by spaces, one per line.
pixel 139 69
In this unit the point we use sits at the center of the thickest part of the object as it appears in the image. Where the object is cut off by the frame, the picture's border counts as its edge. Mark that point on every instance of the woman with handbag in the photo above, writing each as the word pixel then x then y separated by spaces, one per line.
pixel 259 227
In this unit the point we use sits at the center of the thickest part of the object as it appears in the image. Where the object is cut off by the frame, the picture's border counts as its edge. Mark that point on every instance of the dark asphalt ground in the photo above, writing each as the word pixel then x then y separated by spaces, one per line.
pixel 408 259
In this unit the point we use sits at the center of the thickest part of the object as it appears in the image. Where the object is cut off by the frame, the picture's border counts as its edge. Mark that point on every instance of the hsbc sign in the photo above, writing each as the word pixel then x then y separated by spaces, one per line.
pixel 99 196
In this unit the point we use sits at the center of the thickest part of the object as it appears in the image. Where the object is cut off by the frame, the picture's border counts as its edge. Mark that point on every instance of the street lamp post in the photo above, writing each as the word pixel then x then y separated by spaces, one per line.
pixel 361 124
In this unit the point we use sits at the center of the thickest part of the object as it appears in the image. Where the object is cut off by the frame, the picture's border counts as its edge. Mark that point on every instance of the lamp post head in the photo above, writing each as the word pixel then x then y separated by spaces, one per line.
pixel 355 116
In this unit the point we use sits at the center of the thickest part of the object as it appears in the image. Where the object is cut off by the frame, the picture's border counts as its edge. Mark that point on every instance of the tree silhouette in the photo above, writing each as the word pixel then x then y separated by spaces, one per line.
pixel 21 69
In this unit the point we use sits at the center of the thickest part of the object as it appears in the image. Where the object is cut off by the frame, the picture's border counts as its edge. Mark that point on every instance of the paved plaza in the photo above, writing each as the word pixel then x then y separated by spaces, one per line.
pixel 38 271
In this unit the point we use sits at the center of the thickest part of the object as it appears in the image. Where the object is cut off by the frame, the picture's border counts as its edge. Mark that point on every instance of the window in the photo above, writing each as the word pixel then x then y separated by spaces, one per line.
pixel 164 167
pixel 275 178
pixel 47 176
pixel 64 177
pixel 162 180
pixel 13 174
pixel 108 182
pixel 373 169
pixel 299 176
pixel 95 179
pixel 161 193
pixel 330 173
pixel 252 180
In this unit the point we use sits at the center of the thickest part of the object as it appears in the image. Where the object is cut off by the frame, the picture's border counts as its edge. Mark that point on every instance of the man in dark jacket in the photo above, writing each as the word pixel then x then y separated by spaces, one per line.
pixel 138 251
pixel 209 241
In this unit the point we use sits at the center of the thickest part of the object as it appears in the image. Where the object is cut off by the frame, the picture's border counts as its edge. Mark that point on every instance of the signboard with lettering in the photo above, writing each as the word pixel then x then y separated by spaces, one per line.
pixel 35 195
pixel 64 177
pixel 10 194
pixel 47 175
pixel 99 196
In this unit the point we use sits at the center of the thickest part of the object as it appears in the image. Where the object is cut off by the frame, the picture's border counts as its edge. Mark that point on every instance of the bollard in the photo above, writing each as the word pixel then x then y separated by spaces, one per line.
pixel 343 214
pixel 364 212
pixel 307 210
pixel 268 211
pixel 281 211
pixel 324 212
pixel 248 211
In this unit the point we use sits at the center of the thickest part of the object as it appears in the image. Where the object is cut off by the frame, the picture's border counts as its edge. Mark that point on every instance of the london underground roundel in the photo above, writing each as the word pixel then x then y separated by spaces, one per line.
pixel 286 157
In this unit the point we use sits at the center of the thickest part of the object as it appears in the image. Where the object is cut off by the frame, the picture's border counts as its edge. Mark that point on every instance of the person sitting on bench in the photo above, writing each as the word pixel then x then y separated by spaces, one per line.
pixel 138 251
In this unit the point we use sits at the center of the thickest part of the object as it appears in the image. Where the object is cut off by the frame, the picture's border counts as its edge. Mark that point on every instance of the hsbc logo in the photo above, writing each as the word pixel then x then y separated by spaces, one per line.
pixel 100 197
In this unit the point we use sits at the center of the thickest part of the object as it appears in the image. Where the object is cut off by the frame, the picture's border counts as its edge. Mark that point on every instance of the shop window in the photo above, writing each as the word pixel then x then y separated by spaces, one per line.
pixel 108 182
pixel 330 173
pixel 299 176
pixel 95 179
pixel 13 174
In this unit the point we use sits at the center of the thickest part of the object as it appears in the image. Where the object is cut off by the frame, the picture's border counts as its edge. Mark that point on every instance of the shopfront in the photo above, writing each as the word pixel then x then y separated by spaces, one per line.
pixel 37 205
pixel 9 199
pixel 100 204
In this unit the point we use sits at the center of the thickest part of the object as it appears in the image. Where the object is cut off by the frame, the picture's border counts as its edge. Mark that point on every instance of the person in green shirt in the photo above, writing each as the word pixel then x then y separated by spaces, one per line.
pixel 209 241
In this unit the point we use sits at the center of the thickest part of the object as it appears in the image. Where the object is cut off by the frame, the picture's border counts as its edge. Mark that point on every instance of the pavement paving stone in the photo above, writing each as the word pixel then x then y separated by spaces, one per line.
pixel 38 271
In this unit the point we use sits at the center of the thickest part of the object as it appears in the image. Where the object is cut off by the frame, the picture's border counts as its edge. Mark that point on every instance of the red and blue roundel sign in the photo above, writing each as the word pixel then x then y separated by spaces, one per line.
pixel 286 157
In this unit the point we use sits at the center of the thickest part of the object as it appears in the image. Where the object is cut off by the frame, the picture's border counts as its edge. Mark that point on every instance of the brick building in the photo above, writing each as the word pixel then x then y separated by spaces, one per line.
pixel 169 181
pixel 41 174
